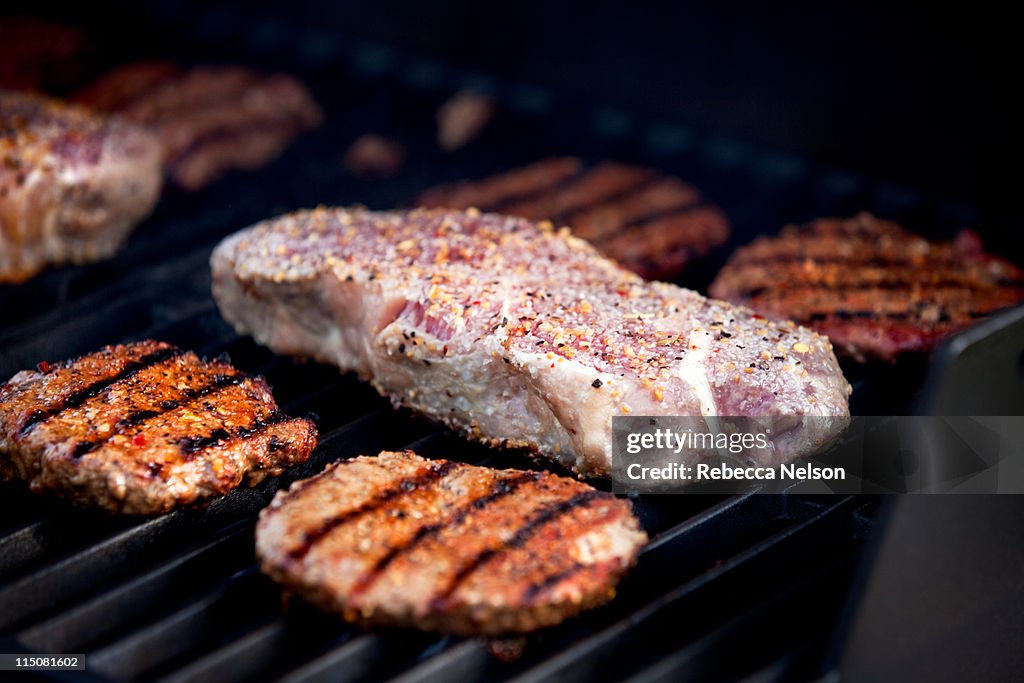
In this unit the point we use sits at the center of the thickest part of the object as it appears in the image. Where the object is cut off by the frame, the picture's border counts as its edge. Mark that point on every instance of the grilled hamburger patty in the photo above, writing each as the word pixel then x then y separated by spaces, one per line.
pixel 516 333
pixel 144 427
pixel 72 183
pixel 209 119
pixel 401 540
pixel 651 223
pixel 876 290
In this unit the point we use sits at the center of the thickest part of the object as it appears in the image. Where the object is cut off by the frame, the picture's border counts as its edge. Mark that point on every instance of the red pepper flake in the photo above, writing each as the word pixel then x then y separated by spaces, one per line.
pixel 552 365
pixel 139 440
pixel 694 347
pixel 476 303
pixel 43 366
pixel 757 317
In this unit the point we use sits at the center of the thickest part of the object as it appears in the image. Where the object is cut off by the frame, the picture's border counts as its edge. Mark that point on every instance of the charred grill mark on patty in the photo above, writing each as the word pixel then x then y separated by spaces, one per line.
pixel 82 395
pixel 606 182
pixel 501 489
pixel 505 188
pixel 138 418
pixel 191 446
pixel 433 472
pixel 906 292
pixel 142 427
pixel 652 223
pixel 475 552
pixel 546 515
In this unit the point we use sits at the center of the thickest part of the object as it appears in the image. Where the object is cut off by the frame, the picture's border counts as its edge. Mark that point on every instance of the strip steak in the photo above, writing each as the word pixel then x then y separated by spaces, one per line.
pixel 73 184
pixel 516 333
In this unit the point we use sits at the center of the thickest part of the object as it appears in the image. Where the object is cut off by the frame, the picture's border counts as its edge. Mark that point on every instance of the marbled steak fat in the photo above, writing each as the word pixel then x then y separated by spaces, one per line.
pixel 514 332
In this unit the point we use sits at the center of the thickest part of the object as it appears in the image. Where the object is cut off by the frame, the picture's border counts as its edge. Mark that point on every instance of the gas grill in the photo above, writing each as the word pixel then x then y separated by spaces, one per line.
pixel 180 598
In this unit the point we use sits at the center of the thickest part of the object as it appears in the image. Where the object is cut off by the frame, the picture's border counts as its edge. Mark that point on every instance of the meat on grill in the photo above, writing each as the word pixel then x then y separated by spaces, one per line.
pixel 876 290
pixel 144 427
pixel 210 119
pixel 444 546
pixel 462 119
pixel 651 223
pixel 72 184
pixel 516 333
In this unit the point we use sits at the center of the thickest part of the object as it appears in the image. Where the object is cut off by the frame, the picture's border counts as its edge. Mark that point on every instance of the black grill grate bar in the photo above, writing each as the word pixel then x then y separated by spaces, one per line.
pixel 50 585
pixel 122 552
pixel 261 648
pixel 464 661
pixel 587 656
pixel 240 660
pixel 242 598
pixel 128 602
pixel 370 654
pixel 27 543
pixel 714 523
pixel 732 511
pixel 18 509
pixel 158 282
pixel 802 606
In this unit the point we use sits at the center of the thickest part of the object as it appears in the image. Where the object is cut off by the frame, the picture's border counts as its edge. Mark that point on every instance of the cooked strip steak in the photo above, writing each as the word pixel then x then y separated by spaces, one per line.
pixel 877 291
pixel 651 223
pixel 516 333
pixel 144 427
pixel 397 539
pixel 72 184
pixel 210 119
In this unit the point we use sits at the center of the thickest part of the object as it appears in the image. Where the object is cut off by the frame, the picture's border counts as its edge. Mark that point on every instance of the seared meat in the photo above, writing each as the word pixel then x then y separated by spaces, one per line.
pixel 72 184
pixel 517 333
pixel 210 119
pixel 875 289
pixel 462 119
pixel 374 156
pixel 650 223
pixel 443 546
pixel 144 427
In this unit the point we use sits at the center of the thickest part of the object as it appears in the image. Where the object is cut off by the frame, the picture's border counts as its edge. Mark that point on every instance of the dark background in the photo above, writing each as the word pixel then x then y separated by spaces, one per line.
pixel 917 97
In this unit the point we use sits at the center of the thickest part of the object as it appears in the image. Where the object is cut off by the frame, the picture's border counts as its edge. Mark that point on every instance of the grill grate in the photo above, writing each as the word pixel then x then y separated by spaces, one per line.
pixel 179 598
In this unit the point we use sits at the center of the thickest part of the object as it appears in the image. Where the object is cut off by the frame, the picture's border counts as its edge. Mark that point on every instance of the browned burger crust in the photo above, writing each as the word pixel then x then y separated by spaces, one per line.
pixel 444 546
pixel 142 428
pixel 876 290
pixel 651 223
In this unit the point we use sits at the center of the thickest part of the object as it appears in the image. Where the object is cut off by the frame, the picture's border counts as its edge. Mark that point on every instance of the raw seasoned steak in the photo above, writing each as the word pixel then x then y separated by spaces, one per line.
pixel 144 427
pixel 209 119
pixel 72 183
pixel 516 333
pixel 443 546
pixel 651 223
pixel 876 290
